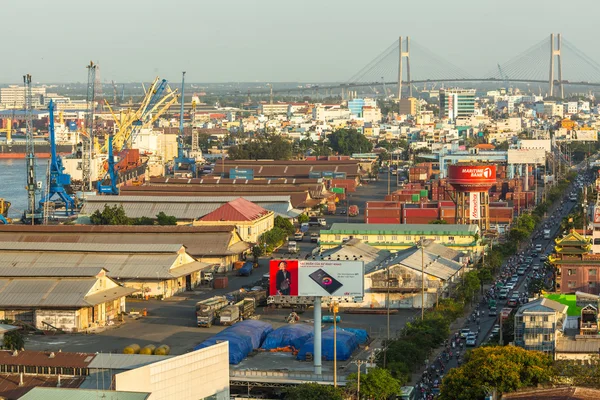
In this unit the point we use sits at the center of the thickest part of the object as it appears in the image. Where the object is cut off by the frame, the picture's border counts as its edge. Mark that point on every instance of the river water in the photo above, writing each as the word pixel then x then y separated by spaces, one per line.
pixel 12 183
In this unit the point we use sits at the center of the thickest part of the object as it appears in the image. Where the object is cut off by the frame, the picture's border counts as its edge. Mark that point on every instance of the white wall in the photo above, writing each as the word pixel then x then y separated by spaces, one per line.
pixel 191 376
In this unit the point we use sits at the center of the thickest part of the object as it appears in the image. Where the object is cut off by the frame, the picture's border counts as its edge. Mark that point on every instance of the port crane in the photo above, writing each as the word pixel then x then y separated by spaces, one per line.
pixel 57 179
pixel 32 215
pixel 182 162
pixel 111 173
pixel 158 99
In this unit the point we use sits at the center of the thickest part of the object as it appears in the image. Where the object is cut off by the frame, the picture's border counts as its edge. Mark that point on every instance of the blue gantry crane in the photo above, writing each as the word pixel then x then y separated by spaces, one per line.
pixel 182 163
pixel 111 173
pixel 58 179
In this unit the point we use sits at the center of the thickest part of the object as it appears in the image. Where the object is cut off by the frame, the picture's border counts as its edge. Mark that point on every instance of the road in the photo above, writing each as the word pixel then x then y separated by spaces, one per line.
pixel 483 328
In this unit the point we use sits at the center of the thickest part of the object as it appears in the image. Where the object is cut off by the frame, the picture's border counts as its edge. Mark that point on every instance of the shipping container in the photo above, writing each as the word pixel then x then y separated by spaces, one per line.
pixel 220 282
pixel 415 197
pixel 238 265
pixel 382 212
pixel 383 220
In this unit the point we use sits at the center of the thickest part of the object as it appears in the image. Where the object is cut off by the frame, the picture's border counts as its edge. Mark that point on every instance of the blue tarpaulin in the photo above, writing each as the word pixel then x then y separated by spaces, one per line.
pixel 361 335
pixel 289 335
pixel 346 344
pixel 243 337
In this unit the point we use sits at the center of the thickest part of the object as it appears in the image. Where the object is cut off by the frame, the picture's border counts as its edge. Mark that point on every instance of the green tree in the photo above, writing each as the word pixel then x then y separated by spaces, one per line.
pixel 348 141
pixel 13 340
pixel 266 146
pixel 114 215
pixel 469 286
pixel 257 251
pixel 143 221
pixel 313 391
pixel 438 222
pixel 164 219
pixel 378 384
pixel 505 369
pixel 303 218
pixel 285 225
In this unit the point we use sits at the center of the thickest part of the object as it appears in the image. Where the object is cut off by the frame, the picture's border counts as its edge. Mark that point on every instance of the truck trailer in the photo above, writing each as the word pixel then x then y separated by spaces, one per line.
pixel 207 310
pixel 241 310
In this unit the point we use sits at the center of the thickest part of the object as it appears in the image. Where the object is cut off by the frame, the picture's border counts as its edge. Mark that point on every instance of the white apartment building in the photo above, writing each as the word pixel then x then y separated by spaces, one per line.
pixel 14 96
pixel 570 108
pixel 275 108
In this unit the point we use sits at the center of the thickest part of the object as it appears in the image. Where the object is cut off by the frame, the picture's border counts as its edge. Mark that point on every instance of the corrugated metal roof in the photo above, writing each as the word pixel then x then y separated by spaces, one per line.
pixel 543 305
pixel 402 229
pixel 43 359
pixel 10 387
pixel 48 272
pixel 124 361
pixel 58 292
pixel 236 210
pixel 566 344
pixel 434 264
pixel 181 207
pixel 48 393
pixel 371 256
pixel 91 247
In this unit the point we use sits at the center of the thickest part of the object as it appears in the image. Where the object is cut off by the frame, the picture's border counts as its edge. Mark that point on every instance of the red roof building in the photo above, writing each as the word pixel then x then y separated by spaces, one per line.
pixel 250 219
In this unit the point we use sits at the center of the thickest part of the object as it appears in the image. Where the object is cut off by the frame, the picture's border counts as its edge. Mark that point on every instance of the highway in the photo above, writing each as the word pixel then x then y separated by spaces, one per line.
pixel 480 322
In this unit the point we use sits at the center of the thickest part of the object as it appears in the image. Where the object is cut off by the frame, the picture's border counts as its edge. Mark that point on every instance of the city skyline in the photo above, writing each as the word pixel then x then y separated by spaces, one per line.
pixel 263 41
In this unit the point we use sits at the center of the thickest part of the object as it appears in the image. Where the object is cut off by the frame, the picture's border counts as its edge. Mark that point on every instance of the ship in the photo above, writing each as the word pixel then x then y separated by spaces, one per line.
pixel 18 148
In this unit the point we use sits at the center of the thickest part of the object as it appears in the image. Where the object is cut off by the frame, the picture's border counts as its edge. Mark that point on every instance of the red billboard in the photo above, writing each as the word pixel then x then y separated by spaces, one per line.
pixel 472 178
pixel 283 278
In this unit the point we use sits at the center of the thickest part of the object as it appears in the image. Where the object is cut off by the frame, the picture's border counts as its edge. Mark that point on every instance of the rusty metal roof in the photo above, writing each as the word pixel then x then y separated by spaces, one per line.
pixel 124 248
pixel 11 389
pixel 46 358
pixel 236 210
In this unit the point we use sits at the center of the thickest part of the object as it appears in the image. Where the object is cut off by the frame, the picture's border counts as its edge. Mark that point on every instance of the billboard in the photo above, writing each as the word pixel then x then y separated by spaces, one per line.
pixel 526 156
pixel 316 278
pixel 472 178
pixel 474 206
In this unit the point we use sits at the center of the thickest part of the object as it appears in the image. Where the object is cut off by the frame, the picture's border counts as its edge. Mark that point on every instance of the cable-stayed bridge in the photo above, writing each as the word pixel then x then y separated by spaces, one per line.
pixel 553 62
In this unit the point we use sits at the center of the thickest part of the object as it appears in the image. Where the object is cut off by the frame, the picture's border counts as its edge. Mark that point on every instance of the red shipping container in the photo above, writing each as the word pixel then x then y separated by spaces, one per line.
pixel 418 220
pixel 220 282
pixel 421 212
pixel 383 220
pixel 394 204
pixel 382 212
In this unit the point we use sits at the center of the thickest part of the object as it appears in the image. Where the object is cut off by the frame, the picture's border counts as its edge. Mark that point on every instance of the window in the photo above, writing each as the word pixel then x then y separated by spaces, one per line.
pixel 592 284
pixel 592 272
pixel 532 318
pixel 409 238
pixel 338 237
pixel 249 231
pixel 572 284
pixel 545 318
pixel 451 238
pixel 394 238
pixel 366 238
pixel 380 238
pixel 570 272
pixel 546 338
pixel 438 238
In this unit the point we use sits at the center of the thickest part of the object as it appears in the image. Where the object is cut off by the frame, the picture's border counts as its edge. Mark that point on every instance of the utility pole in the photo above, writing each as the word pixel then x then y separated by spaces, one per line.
pixel 335 311
pixel 358 363
pixel 422 279
pixel 389 173
pixel 387 307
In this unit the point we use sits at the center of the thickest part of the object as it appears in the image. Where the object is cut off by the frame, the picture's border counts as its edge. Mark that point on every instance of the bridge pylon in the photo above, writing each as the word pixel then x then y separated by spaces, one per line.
pixel 404 54
pixel 555 45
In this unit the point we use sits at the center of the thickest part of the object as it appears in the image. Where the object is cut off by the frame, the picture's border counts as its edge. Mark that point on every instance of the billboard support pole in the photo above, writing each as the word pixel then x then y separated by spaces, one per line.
pixel 317 333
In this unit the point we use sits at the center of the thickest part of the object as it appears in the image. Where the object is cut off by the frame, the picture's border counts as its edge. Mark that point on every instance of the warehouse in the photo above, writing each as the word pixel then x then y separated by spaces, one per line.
pixel 185 208
pixel 59 297
pixel 395 237
pixel 219 245
pixel 157 270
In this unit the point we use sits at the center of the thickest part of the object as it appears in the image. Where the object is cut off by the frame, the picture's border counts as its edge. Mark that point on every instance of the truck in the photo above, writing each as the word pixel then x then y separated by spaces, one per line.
pixel 292 247
pixel 317 221
pixel 353 211
pixel 290 301
pixel 246 269
pixel 331 208
pixel 298 236
pixel 314 237
pixel 243 309
pixel 546 233
pixel 206 277
pixel 208 310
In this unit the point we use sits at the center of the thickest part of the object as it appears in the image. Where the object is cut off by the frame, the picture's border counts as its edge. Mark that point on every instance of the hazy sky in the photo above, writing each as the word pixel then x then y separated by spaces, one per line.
pixel 270 40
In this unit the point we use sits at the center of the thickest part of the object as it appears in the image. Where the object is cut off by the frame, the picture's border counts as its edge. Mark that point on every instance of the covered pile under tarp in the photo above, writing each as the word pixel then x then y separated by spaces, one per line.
pixel 346 344
pixel 361 335
pixel 293 335
pixel 243 337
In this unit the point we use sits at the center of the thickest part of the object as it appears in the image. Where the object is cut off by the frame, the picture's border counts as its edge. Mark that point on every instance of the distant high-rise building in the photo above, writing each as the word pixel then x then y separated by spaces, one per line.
pixel 409 106
pixel 14 96
pixel 456 103
pixel 355 106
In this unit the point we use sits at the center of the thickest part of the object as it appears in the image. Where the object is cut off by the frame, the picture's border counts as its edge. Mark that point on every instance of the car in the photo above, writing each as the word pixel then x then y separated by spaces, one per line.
pixel 510 286
pixel 529 260
pixel 496 329
pixel 521 271
pixel 342 212
pixel 503 294
pixel 543 258
pixel 464 332
pixel 512 302
pixel 536 267
pixel 514 278
pixel 471 341
pixel 493 312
